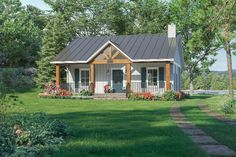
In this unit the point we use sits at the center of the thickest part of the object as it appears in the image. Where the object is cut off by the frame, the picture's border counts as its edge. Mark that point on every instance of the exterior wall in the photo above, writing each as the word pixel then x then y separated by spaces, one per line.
pixel 103 76
pixel 136 77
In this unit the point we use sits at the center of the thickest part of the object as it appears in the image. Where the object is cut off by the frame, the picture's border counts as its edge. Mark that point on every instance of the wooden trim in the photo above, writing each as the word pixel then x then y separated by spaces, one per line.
pixel 92 79
pixel 168 76
pixel 116 54
pixel 92 73
pixel 105 56
pixel 121 61
pixel 128 69
pixel 128 84
pixel 110 50
pixel 57 74
pixel 114 61
pixel 99 62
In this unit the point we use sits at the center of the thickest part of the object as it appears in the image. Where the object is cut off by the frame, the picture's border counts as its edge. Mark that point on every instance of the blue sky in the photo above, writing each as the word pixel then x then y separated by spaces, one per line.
pixel 220 64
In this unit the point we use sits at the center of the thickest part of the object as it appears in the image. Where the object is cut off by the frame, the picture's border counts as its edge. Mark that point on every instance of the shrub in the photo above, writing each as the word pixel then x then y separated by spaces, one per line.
pixel 229 106
pixel 84 92
pixel 158 97
pixel 135 96
pixel 169 95
pixel 181 95
pixel 17 78
pixel 7 140
pixel 32 135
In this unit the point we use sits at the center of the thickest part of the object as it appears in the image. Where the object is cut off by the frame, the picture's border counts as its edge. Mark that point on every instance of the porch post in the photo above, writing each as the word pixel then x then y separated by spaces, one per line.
pixel 128 70
pixel 168 76
pixel 92 79
pixel 57 74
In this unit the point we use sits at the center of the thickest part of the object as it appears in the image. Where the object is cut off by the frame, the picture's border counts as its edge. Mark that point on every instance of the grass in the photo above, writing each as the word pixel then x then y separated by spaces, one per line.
pixel 223 133
pixel 214 103
pixel 125 128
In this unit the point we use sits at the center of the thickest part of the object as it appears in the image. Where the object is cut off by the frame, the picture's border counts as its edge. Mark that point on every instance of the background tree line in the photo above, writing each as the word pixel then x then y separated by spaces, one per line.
pixel 31 37
pixel 209 81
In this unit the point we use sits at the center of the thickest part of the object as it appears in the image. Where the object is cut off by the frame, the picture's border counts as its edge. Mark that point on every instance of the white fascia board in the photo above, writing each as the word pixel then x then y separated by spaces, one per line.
pixel 67 62
pixel 153 60
pixel 134 61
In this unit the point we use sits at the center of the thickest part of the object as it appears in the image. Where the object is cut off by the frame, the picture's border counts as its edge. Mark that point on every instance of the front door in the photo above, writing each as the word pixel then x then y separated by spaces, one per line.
pixel 117 80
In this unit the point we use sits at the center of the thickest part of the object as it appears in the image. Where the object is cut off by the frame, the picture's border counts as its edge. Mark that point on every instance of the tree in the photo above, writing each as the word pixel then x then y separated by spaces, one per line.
pixel 146 16
pixel 58 32
pixel 198 35
pixel 226 18
pixel 38 17
pixel 20 38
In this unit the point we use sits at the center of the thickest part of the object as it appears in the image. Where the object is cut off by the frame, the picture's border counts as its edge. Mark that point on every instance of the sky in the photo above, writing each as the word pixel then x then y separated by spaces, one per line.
pixel 219 65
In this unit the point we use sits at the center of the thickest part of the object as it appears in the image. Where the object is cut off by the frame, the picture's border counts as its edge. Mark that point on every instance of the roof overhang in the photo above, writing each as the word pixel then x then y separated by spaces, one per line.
pixel 134 61
pixel 103 47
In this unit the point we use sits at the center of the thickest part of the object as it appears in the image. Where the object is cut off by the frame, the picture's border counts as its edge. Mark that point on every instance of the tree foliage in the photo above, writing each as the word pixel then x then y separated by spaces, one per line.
pixel 208 81
pixel 20 38
pixel 150 16
pixel 198 35
pixel 57 33
pixel 226 20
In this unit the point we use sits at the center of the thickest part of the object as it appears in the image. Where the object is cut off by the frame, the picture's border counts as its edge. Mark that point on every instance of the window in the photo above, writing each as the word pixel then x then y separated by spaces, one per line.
pixel 152 77
pixel 84 78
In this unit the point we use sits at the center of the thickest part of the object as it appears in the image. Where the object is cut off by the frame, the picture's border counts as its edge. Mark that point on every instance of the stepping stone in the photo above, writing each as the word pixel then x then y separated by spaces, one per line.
pixel 218 150
pixel 231 123
pixel 193 131
pixel 187 126
pixel 201 139
pixel 184 122
pixel 179 118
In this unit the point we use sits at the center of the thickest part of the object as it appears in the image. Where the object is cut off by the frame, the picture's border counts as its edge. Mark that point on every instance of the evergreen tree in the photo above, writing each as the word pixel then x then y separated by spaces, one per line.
pixel 56 37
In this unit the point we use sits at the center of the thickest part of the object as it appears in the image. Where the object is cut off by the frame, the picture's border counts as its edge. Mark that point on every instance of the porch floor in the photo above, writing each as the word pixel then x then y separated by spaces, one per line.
pixel 110 96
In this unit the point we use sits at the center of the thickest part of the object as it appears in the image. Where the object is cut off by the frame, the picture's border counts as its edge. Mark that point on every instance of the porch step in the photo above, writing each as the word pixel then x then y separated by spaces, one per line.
pixel 111 96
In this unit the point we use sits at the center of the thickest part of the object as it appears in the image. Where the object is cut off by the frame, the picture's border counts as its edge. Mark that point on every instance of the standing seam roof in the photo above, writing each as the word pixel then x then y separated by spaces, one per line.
pixel 157 46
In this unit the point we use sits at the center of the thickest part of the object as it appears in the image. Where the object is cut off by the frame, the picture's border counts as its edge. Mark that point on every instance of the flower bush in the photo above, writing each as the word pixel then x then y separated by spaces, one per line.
pixel 53 91
pixel 108 89
pixel 147 96
pixel 166 96
pixel 141 96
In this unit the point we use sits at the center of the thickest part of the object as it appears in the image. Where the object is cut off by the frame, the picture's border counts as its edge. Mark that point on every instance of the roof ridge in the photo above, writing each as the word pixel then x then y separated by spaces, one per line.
pixel 145 34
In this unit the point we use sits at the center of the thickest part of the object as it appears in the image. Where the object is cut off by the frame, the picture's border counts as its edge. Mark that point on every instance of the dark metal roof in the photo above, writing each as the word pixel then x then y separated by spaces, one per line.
pixel 137 47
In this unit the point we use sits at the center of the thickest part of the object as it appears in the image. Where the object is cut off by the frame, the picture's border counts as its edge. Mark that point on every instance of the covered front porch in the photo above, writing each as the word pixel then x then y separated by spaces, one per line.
pixel 121 78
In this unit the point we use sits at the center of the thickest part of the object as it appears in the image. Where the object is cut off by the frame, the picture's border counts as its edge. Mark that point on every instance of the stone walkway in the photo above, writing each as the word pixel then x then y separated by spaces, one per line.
pixel 198 136
pixel 216 115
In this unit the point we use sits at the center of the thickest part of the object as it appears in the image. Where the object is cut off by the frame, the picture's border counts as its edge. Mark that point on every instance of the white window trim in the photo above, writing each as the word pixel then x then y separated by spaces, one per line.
pixel 80 71
pixel 122 69
pixel 156 68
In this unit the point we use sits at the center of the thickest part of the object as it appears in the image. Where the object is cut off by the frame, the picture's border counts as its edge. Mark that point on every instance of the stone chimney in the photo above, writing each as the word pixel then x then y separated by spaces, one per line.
pixel 171 31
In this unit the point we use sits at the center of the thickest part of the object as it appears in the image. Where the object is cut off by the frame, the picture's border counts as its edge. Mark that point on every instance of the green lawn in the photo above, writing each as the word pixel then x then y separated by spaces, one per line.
pixel 214 103
pixel 124 128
